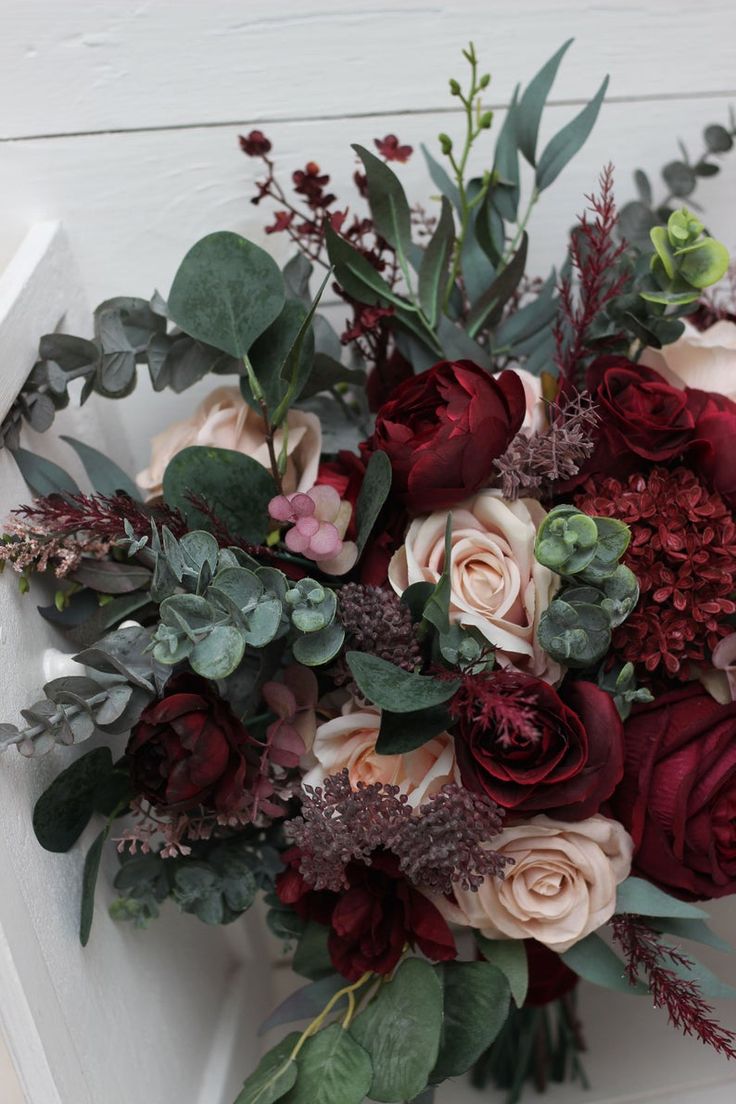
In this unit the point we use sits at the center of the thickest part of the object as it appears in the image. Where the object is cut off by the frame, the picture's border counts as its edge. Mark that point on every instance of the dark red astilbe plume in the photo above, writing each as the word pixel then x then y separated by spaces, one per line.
pixel 594 252
pixel 439 845
pixel 103 515
pixel 647 954
pixel 683 553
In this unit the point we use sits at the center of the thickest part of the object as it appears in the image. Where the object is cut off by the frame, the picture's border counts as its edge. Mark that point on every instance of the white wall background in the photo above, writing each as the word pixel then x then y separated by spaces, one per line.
pixel 121 119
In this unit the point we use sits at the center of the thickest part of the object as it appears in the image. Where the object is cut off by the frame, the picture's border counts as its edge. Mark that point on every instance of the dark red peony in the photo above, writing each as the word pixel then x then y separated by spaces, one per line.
pixel 373 919
pixel 678 794
pixel 188 749
pixel 443 429
pixel 549 977
pixel 641 416
pixel 534 750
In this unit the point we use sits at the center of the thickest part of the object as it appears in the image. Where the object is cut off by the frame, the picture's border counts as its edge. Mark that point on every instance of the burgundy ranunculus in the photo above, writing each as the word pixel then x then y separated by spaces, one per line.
pixel 188 749
pixel 373 919
pixel 534 750
pixel 678 794
pixel 549 977
pixel 641 416
pixel 442 430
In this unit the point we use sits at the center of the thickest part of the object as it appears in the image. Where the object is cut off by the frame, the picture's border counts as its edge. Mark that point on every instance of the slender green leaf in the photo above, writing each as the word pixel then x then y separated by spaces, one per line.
pixel 43 476
pixel 356 275
pixel 594 960
pixel 509 956
pixel 63 810
pixel 697 930
pixel 226 292
pixel 532 104
pixel 89 881
pixel 373 493
pixel 400 1030
pixel 433 271
pixel 402 732
pixel 441 180
pixel 269 352
pixel 305 1003
pixel 637 896
pixel 487 310
pixel 475 1007
pixel 505 191
pixel 437 607
pixel 297 366
pixel 390 687
pixel 566 143
pixel 104 474
pixel 387 199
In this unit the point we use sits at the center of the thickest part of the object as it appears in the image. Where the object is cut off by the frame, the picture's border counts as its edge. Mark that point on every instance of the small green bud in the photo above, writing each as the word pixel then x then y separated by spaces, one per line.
pixel 485 120
pixel 445 143
pixel 454 87
pixel 485 80
pixel 23 584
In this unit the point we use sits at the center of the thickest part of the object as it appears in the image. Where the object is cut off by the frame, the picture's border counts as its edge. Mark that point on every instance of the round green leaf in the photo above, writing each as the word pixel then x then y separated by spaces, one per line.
pixel 235 487
pixel 717 139
pixel 226 292
pixel 219 653
pixel 390 687
pixel 62 812
pixel 476 1005
pixel 400 1030
pixel 331 1069
pixel 679 178
pixel 274 1077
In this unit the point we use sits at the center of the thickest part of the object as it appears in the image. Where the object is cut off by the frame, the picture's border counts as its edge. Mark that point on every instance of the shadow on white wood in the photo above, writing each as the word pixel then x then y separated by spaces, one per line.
pixel 166 1015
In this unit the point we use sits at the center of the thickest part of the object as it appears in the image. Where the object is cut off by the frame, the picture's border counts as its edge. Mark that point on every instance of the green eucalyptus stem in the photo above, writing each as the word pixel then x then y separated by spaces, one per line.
pixel 270 428
pixel 61 714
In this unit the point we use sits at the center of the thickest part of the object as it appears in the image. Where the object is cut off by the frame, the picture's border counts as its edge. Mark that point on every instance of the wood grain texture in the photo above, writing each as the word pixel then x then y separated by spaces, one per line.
pixel 169 63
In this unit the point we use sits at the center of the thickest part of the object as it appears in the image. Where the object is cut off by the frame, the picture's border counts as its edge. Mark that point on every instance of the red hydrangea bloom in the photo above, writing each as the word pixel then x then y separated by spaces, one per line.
pixel 373 919
pixel 678 794
pixel 532 749
pixel 390 148
pixel 442 430
pixel 683 553
pixel 188 749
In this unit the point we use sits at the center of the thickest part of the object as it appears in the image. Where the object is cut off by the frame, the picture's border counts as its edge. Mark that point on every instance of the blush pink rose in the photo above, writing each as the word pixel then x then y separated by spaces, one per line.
pixel 535 418
pixel 497 585
pixel 224 420
pixel 701 359
pixel 560 888
pixel 350 741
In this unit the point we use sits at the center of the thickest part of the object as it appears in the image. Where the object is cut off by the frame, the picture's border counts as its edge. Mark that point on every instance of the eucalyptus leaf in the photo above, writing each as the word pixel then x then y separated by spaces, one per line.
pixel 43 476
pixel 509 956
pixel 637 896
pixel 374 491
pixel 403 732
pixel 389 687
pixel 63 810
pixel 275 1075
pixel 475 1008
pixel 566 143
pixel 89 882
pixel 433 271
pixel 104 474
pixel 332 1068
pixel 226 292
pixel 592 959
pixel 532 103
pixel 441 180
pixel 305 1003
pixel 388 202
pixel 356 275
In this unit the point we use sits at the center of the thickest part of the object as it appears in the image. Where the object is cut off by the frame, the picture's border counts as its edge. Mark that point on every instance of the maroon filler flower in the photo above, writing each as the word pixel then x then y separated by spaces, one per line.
pixel 678 794
pixel 373 919
pixel 188 749
pixel 442 430
pixel 532 749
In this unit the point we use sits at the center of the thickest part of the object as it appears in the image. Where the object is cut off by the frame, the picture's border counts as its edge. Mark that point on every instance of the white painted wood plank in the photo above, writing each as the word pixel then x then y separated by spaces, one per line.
pixel 134 1016
pixel 93 65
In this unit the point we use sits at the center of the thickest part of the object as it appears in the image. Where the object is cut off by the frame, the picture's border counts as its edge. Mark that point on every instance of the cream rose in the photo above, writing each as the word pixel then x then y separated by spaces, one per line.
pixel 535 419
pixel 224 420
pixel 702 359
pixel 350 741
pixel 560 888
pixel 497 585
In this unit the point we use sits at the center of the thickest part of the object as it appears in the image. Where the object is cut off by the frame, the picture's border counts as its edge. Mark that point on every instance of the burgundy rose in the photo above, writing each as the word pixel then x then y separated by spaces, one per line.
pixel 715 431
pixel 188 749
pixel 373 919
pixel 678 794
pixel 532 749
pixel 641 416
pixel 443 429
pixel 549 977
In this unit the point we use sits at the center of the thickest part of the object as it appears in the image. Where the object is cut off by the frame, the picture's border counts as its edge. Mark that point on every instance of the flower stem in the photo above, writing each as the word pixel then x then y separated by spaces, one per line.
pixel 317 1022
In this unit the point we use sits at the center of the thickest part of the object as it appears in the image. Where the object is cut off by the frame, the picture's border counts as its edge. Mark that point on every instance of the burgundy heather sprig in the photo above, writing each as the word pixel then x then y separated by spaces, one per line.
pixel 439 845
pixel 533 463
pixel 647 954
pixel 594 252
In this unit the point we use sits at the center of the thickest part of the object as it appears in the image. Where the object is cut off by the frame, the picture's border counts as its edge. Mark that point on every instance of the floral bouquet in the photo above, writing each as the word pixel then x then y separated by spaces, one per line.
pixel 424 632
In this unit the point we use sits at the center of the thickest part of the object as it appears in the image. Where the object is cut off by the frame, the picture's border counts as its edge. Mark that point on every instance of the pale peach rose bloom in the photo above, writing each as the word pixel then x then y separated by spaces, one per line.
pixel 535 419
pixel 560 888
pixel 720 679
pixel 350 741
pixel 497 585
pixel 224 420
pixel 702 359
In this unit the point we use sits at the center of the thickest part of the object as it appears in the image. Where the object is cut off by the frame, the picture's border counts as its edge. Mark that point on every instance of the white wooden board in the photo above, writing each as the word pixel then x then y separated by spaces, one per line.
pixel 166 1015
